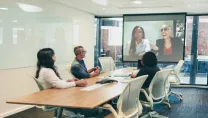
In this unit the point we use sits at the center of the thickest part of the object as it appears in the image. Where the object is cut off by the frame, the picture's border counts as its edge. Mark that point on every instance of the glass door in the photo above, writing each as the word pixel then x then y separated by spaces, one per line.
pixel 195 68
pixel 186 69
pixel 111 39
pixel 202 55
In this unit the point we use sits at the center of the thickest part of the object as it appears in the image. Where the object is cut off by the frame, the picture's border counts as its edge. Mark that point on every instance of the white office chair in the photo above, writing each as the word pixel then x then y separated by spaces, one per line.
pixel 169 67
pixel 68 68
pixel 107 64
pixel 175 80
pixel 44 108
pixel 57 110
pixel 128 103
pixel 156 92
pixel 176 73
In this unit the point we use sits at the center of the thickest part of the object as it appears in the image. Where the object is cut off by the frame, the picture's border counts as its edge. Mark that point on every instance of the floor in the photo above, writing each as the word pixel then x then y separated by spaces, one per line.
pixel 194 105
pixel 33 113
pixel 201 78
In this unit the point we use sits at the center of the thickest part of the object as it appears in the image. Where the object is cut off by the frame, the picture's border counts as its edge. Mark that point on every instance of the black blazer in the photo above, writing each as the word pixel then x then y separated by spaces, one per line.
pixel 150 71
pixel 177 50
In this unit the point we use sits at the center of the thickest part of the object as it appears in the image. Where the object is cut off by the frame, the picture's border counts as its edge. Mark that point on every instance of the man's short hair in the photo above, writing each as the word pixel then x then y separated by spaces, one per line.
pixel 77 50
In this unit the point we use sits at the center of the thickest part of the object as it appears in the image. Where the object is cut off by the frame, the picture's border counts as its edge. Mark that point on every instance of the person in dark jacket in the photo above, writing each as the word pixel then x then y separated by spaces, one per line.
pixel 150 68
pixel 169 49
pixel 149 62
pixel 78 67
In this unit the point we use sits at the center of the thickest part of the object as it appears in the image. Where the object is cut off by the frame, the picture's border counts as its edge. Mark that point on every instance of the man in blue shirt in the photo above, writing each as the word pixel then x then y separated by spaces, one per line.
pixel 78 67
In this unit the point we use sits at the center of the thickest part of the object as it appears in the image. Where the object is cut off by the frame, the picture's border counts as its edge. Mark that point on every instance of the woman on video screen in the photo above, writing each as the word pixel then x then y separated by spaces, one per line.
pixel 169 49
pixel 138 44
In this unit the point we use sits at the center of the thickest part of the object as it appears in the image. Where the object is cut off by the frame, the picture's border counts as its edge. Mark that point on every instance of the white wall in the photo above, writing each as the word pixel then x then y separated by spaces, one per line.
pixel 78 27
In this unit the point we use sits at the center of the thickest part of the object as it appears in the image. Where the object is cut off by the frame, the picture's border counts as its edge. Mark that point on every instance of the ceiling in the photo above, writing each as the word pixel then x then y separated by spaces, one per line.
pixel 119 7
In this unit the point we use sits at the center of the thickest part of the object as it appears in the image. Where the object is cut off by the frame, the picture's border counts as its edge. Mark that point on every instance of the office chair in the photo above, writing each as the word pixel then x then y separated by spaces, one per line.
pixel 128 105
pixel 156 92
pixel 176 73
pixel 57 110
pixel 45 108
pixel 68 68
pixel 107 64
pixel 175 80
pixel 169 67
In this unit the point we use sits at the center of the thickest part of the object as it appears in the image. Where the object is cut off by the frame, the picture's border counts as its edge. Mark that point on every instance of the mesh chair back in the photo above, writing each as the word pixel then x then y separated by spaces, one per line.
pixel 178 67
pixel 37 82
pixel 45 108
pixel 129 104
pixel 157 87
pixel 107 64
pixel 68 68
pixel 169 67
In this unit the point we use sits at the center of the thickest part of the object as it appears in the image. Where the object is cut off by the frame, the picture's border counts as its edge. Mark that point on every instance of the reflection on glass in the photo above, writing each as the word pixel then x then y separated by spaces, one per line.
pixel 23 34
pixel 75 32
pixel 16 34
pixel 29 8
pixel 1 35
pixel 2 8
pixel 188 40
pixel 202 38
pixel 115 36
pixel 14 21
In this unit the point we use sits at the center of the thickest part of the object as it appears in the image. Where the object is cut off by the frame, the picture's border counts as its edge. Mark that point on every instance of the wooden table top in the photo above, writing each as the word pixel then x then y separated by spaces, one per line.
pixel 74 97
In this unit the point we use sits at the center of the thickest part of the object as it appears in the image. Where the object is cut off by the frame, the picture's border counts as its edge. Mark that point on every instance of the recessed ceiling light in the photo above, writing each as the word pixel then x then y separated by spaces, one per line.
pixel 29 8
pixel 189 5
pixel 136 1
pixel 103 8
pixel 101 2
pixel 3 8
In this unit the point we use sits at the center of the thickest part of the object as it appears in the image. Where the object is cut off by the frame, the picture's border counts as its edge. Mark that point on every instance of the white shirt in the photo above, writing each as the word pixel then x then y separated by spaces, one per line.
pixel 141 48
pixel 48 79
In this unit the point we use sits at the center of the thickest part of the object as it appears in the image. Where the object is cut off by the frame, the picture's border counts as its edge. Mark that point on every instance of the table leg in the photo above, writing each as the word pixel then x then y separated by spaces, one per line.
pixel 60 110
pixel 55 113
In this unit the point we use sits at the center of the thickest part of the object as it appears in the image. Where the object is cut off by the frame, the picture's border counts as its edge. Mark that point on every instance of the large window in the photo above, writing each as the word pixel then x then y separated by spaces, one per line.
pixel 202 57
pixel 111 38
pixel 202 51
pixel 203 38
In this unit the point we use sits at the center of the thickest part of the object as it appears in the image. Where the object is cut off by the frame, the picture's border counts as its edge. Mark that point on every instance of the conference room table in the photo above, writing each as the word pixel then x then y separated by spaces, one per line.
pixel 76 97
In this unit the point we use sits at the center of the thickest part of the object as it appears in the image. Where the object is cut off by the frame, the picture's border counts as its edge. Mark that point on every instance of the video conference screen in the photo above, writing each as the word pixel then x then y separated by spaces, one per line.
pixel 162 34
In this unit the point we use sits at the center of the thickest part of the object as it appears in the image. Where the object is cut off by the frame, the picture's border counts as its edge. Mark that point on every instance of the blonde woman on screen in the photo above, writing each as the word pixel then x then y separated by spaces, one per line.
pixel 169 48
pixel 138 45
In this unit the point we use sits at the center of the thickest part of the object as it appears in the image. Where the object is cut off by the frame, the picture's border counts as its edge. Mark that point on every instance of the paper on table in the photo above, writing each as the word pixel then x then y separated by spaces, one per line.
pixel 120 75
pixel 117 78
pixel 89 88
pixel 135 72
pixel 126 80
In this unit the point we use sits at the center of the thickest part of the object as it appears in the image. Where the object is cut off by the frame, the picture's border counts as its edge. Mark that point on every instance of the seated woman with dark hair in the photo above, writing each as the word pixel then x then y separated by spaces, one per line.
pixel 48 76
pixel 149 62
pixel 47 73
